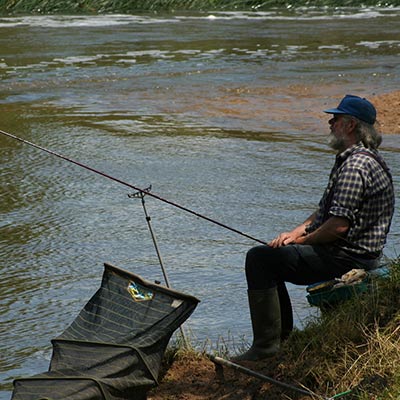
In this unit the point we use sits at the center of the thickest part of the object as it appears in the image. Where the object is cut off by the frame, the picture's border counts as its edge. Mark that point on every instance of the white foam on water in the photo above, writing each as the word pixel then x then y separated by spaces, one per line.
pixel 150 53
pixel 126 61
pixel 333 47
pixel 188 52
pixel 257 53
pixel 294 49
pixel 78 59
pixel 130 57
pixel 380 43
pixel 301 13
pixel 290 13
pixel 64 21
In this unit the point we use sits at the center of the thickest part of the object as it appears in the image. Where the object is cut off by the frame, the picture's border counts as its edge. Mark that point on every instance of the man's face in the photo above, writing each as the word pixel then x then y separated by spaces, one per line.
pixel 339 132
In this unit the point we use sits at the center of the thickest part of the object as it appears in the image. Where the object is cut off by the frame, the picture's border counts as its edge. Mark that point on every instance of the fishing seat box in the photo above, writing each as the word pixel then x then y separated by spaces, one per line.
pixel 327 294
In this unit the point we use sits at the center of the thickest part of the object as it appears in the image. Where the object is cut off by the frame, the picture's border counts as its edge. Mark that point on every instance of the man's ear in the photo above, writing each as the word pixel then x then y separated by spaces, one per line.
pixel 351 125
pixel 354 122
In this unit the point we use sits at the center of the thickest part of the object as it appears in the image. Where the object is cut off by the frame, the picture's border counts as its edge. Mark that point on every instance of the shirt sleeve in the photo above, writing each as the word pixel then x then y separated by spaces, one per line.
pixel 349 192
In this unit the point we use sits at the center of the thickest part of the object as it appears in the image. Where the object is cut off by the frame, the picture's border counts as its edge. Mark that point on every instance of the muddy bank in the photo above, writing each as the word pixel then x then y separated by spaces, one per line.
pixel 195 377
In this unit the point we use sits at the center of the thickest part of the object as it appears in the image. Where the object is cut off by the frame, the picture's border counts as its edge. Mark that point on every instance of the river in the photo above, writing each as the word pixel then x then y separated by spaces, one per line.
pixel 218 112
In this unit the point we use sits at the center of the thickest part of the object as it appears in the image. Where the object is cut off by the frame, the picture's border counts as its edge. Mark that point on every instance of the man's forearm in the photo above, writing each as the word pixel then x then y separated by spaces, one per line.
pixel 301 230
pixel 310 220
pixel 330 231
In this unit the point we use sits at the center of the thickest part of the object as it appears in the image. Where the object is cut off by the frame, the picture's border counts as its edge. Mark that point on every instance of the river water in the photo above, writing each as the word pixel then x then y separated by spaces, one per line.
pixel 219 112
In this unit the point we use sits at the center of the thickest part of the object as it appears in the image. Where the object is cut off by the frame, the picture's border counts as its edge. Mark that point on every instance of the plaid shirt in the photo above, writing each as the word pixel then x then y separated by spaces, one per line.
pixel 360 189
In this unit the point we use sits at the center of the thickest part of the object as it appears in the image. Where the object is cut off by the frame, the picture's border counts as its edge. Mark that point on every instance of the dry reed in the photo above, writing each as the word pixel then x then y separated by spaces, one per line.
pixel 355 346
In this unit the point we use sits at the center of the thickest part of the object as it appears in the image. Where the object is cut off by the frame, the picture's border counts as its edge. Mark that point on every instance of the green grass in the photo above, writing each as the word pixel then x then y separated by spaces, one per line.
pixel 130 6
pixel 351 351
pixel 355 346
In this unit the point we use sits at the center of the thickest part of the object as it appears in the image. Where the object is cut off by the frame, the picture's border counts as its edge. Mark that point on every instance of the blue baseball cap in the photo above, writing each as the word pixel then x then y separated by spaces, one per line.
pixel 357 107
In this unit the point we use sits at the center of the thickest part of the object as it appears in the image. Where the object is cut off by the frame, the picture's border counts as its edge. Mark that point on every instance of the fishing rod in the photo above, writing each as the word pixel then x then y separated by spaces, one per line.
pixel 221 362
pixel 144 191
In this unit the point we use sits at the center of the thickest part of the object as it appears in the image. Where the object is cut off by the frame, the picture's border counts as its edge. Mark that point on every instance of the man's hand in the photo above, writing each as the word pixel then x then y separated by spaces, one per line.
pixel 285 238
pixel 294 236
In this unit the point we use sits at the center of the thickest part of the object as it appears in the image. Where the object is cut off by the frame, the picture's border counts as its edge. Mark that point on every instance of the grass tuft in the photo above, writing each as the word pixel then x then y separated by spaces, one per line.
pixel 355 346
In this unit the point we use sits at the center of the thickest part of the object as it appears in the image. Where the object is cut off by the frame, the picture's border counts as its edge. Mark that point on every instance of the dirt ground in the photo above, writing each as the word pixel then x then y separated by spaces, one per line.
pixel 388 110
pixel 192 377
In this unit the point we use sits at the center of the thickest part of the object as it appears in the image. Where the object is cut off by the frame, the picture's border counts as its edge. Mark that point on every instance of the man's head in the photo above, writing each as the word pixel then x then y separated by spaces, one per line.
pixel 356 107
pixel 353 122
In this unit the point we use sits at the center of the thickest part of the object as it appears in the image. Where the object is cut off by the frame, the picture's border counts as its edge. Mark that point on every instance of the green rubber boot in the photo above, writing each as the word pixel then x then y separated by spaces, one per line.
pixel 286 311
pixel 266 322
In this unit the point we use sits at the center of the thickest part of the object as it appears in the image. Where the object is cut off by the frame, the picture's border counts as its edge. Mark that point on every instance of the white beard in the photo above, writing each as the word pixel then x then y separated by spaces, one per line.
pixel 336 143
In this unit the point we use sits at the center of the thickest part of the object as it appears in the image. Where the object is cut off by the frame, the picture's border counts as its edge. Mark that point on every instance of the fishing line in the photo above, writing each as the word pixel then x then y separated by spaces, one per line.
pixel 144 191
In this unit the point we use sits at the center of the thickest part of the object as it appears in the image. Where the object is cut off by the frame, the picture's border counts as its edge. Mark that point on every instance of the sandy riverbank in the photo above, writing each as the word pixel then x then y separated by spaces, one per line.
pixel 388 108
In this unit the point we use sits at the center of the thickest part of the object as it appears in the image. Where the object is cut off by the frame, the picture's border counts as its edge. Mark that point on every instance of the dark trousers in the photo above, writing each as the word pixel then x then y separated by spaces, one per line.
pixel 268 267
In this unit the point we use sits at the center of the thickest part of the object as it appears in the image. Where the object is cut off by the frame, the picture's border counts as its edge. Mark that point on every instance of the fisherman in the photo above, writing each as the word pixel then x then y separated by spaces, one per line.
pixel 348 230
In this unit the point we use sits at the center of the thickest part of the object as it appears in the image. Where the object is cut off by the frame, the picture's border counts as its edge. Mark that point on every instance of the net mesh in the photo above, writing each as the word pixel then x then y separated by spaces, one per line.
pixel 114 348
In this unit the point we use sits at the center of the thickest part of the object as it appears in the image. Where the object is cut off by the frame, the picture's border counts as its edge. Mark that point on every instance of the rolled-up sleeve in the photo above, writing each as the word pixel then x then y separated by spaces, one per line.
pixel 350 189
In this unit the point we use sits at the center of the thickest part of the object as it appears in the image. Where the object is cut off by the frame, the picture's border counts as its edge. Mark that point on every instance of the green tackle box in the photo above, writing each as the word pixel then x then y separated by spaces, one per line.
pixel 329 293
